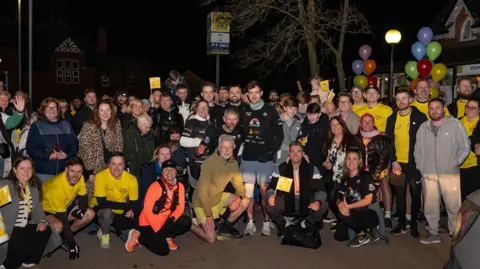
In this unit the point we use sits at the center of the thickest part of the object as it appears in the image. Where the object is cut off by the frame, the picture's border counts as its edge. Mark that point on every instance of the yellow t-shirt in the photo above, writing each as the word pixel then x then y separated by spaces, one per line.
pixel 461 108
pixel 471 160
pixel 356 108
pixel 423 107
pixel 381 113
pixel 402 137
pixel 58 194
pixel 115 190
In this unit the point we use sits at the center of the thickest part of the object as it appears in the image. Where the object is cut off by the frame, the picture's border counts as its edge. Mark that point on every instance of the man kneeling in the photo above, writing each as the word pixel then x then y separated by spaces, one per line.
pixel 306 197
pixel 209 199
pixel 162 216
pixel 59 194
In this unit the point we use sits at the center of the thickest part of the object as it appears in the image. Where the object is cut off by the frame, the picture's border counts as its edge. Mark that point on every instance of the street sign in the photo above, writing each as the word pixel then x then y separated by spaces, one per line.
pixel 218 33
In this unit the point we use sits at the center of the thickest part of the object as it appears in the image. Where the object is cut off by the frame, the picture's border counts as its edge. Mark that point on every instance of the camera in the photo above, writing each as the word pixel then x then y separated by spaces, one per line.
pixel 159 205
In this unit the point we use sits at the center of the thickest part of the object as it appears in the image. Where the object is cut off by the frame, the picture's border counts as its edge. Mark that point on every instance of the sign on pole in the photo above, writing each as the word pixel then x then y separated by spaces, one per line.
pixel 218 33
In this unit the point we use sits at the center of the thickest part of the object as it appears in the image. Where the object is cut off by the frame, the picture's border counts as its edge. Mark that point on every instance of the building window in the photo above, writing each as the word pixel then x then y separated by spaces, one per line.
pixel 467 34
pixel 105 81
pixel 68 71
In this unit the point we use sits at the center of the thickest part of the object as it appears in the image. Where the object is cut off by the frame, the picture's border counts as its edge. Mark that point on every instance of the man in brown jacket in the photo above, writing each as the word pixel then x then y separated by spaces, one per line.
pixel 209 199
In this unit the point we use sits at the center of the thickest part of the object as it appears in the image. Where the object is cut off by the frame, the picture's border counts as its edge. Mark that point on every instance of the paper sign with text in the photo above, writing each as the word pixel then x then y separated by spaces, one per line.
pixel 284 184
pixel 5 196
pixel 155 83
pixel 324 85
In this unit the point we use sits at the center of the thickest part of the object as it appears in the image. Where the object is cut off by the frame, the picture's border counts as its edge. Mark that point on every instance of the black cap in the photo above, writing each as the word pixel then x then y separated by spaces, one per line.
pixel 169 163
pixel 373 87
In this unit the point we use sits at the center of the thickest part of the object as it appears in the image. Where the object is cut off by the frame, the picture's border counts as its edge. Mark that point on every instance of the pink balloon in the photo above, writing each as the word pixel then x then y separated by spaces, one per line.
pixel 433 83
pixel 365 51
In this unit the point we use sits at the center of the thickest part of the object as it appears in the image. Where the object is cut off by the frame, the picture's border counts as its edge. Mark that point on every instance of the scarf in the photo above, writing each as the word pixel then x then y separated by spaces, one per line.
pixel 305 174
pixel 257 106
pixel 366 138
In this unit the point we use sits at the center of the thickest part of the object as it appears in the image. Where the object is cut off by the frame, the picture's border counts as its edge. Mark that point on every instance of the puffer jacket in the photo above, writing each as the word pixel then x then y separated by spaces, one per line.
pixel 162 121
pixel 378 158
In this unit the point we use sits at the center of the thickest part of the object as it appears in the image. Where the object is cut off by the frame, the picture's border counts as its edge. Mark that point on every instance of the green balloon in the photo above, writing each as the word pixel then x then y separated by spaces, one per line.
pixel 411 69
pixel 434 49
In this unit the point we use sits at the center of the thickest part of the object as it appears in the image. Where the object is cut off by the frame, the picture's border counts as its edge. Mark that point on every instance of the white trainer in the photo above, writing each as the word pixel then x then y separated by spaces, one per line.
pixel 266 228
pixel 250 229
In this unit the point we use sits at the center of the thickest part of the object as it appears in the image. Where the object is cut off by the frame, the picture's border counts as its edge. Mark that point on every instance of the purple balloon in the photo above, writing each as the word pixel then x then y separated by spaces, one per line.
pixel 357 67
pixel 365 51
pixel 425 35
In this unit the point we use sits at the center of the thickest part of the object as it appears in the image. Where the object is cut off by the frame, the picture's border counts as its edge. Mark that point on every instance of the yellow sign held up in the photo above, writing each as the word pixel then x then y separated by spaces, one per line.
pixel 299 86
pixel 5 196
pixel 324 86
pixel 331 95
pixel 284 184
pixel 155 83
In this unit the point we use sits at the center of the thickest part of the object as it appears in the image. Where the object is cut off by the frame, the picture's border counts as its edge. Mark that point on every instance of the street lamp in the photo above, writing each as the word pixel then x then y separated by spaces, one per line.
pixel 392 37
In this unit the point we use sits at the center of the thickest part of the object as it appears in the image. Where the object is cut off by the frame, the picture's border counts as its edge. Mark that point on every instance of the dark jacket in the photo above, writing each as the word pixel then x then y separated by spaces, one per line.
pixel 475 139
pixel 453 109
pixel 378 156
pixel 42 137
pixel 80 117
pixel 313 137
pixel 416 119
pixel 137 149
pixel 162 121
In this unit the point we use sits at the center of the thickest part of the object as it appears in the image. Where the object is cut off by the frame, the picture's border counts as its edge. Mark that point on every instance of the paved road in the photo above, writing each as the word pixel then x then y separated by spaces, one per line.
pixel 257 252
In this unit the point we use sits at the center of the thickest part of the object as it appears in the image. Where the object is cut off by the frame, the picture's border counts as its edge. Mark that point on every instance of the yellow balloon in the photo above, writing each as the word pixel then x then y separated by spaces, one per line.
pixel 438 72
pixel 360 81
pixel 434 92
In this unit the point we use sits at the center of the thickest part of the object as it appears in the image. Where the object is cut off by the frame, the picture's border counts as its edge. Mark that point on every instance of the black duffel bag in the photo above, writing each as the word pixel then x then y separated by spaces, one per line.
pixel 308 237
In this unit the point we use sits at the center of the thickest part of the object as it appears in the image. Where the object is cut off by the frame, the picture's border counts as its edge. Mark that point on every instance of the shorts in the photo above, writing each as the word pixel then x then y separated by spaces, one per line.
pixel 69 209
pixel 217 210
pixel 256 172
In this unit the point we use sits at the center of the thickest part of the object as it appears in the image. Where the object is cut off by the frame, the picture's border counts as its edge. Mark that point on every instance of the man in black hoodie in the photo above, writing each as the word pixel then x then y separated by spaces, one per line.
pixel 263 132
pixel 85 112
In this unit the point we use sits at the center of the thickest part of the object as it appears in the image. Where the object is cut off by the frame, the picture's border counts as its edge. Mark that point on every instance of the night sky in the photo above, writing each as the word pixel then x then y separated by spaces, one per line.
pixel 172 34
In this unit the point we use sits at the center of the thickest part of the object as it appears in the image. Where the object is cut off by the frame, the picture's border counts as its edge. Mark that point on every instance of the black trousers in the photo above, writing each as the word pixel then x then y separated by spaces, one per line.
pixel 156 242
pixel 469 181
pixel 26 245
pixel 360 220
pixel 413 178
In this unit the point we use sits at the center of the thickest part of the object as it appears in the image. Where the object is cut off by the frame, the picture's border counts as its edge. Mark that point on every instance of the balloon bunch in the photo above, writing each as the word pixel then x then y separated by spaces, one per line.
pixel 366 66
pixel 426 67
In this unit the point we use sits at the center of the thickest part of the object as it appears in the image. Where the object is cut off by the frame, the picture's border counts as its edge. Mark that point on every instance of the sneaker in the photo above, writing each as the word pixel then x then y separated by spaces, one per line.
pixel 266 228
pixel 398 231
pixel 272 225
pixel 388 223
pixel 171 245
pixel 281 228
pixel 250 229
pixel 359 241
pixel 373 235
pixel 421 217
pixel 28 265
pixel 229 231
pixel 334 227
pixel 407 225
pixel 132 240
pixel 105 241
pixel 431 239
pixel 329 219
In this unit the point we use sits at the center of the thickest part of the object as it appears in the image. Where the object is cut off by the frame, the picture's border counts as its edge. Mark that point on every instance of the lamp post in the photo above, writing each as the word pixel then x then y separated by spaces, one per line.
pixel 392 37
pixel 19 10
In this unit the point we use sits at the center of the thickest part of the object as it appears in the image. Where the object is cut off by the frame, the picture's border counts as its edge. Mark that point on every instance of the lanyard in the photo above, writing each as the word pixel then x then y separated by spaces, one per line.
pixel 26 197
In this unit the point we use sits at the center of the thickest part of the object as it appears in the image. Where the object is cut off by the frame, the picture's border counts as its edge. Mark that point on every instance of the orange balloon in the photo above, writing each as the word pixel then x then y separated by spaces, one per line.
pixel 369 66
pixel 413 83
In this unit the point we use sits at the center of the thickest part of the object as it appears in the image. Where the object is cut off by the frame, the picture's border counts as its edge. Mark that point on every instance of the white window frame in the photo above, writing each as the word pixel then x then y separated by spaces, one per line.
pixel 468 22
pixel 70 75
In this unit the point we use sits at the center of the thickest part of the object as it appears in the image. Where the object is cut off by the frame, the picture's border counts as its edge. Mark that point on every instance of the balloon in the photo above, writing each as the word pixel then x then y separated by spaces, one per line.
pixel 433 83
pixel 413 84
pixel 424 67
pixel 434 49
pixel 369 66
pixel 438 72
pixel 411 69
pixel 365 51
pixel 418 50
pixel 425 35
pixel 357 67
pixel 434 92
pixel 372 81
pixel 360 81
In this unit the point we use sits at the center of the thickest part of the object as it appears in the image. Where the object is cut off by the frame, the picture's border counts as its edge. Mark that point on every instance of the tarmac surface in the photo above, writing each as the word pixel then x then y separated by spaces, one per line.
pixel 257 252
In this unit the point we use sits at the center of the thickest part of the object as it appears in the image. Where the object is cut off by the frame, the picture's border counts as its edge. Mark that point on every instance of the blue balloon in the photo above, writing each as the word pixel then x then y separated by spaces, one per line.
pixel 418 50
pixel 357 67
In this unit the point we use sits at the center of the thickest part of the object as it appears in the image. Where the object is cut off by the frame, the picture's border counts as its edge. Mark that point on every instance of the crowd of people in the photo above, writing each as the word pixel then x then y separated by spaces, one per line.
pixel 151 170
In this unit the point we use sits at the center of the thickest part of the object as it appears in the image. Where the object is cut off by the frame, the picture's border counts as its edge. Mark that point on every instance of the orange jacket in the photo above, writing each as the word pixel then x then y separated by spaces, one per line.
pixel 154 192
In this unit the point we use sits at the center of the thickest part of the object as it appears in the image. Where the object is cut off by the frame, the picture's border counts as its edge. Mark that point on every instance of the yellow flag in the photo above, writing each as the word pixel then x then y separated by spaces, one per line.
pixel 5 197
pixel 331 95
pixel 324 86
pixel 155 83
pixel 284 184
pixel 299 85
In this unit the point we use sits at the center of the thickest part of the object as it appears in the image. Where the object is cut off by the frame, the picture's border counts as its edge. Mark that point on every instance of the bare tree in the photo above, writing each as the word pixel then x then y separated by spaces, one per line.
pixel 298 24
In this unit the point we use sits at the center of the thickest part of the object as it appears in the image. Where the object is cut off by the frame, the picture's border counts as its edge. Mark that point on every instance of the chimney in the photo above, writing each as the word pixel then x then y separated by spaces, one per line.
pixel 102 39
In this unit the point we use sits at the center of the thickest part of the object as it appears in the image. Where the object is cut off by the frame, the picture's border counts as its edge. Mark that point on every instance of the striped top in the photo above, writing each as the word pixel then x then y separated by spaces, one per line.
pixel 25 208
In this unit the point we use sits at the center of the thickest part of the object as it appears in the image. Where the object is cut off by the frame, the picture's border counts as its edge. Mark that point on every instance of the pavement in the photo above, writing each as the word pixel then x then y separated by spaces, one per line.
pixel 257 252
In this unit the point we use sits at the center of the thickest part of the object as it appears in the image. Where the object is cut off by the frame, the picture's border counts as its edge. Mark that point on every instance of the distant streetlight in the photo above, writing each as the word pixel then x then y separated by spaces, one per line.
pixel 392 37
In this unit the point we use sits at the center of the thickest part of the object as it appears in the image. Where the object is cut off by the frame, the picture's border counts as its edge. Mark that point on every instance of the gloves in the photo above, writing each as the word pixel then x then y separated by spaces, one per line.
pixel 265 157
pixel 74 251
pixel 78 213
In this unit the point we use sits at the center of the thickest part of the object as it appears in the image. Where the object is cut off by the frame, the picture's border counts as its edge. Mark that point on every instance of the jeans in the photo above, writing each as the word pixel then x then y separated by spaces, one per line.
pixel 120 223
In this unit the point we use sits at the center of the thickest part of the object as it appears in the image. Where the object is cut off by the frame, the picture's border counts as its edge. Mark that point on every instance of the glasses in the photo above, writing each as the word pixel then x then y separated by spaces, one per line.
pixel 52 108
pixel 202 107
